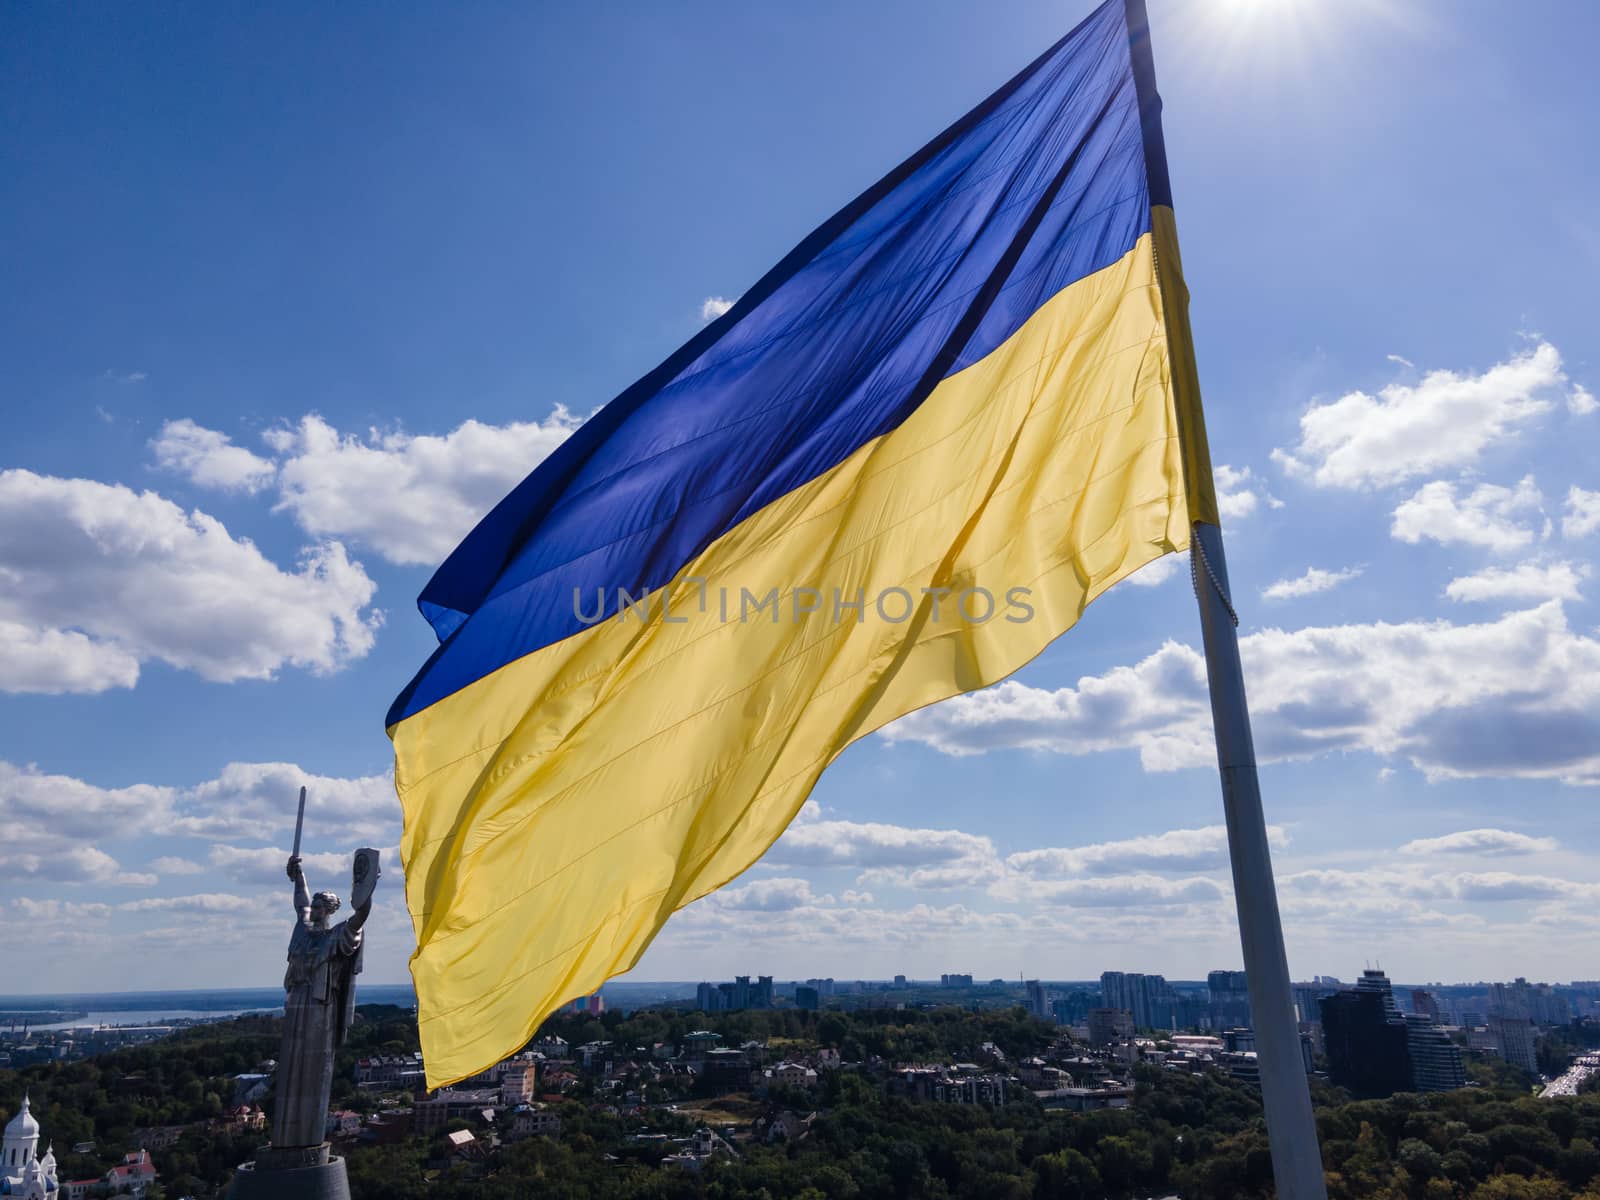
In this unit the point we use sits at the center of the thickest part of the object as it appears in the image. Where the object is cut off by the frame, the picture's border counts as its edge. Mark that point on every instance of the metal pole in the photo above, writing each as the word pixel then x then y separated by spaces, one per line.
pixel 1285 1094
pixel 1291 1127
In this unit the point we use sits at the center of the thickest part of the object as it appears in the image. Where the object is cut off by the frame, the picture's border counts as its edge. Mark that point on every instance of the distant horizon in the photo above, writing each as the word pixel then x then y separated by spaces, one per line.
pixel 631 984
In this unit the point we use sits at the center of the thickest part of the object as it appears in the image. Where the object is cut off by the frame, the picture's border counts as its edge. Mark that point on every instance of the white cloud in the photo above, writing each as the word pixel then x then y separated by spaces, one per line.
pixel 1495 842
pixel 1127 891
pixel 1525 581
pixel 1313 581
pixel 258 800
pixel 868 844
pixel 172 865
pixel 53 822
pixel 209 458
pixel 770 895
pixel 1157 571
pixel 1515 697
pixel 713 307
pixel 55 910
pixel 265 865
pixel 61 660
pixel 1583 513
pixel 1486 516
pixel 98 578
pixel 1235 497
pixel 1581 401
pixel 1186 850
pixel 1444 421
pixel 410 497
pixel 70 864
pixel 892 855
pixel 40 810
pixel 206 902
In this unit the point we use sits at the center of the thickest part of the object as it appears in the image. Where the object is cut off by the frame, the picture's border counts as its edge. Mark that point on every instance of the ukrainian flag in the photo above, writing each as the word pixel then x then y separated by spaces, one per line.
pixel 974 378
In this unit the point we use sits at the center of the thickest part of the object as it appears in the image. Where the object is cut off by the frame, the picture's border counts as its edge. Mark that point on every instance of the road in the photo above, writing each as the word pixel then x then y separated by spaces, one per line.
pixel 1581 1069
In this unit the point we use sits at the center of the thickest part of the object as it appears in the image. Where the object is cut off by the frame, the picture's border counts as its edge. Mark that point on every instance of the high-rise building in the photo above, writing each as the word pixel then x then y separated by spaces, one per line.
pixel 1536 1002
pixel 1230 999
pixel 1307 1001
pixel 807 997
pixel 1038 1000
pixel 1424 1005
pixel 955 981
pixel 825 987
pixel 1073 1007
pixel 1435 1060
pixel 1366 1040
pixel 1147 997
pixel 731 997
pixel 1513 1037
pixel 1375 1051
pixel 1109 1026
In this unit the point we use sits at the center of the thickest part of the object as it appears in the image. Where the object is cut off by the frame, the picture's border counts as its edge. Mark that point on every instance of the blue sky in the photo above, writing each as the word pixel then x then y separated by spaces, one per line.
pixel 294 295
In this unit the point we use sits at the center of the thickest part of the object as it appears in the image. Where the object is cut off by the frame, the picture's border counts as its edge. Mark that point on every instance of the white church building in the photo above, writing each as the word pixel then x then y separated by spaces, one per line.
pixel 23 1174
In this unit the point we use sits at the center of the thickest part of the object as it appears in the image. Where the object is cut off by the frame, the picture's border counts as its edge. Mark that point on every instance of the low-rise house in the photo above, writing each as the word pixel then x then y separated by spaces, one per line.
pixel 791 1074
pixel 133 1176
pixel 533 1120
pixel 784 1126
pixel 431 1113
pixel 245 1118
pixel 1083 1099
pixel 344 1123
pixel 387 1129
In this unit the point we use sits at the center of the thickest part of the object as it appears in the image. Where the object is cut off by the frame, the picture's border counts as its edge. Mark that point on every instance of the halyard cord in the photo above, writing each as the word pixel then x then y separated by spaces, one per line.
pixel 1197 559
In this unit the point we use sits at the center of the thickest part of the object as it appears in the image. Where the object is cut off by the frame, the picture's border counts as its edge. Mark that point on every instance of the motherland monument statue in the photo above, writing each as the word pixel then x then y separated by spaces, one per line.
pixel 319 1004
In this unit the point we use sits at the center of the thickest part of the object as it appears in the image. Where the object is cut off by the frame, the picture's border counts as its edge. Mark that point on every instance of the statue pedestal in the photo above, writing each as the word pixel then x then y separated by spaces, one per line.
pixel 296 1173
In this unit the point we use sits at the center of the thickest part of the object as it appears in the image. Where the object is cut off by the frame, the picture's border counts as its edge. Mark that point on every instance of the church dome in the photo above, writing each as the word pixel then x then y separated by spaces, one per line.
pixel 22 1125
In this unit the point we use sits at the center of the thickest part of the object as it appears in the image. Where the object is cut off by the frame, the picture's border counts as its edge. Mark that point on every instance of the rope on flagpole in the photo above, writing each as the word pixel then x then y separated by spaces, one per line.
pixel 1198 559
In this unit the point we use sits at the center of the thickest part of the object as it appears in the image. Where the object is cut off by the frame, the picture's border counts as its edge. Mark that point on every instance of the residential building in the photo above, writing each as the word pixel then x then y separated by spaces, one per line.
pixel 1424 1005
pixel 1513 1038
pixel 1147 997
pixel 955 981
pixel 736 996
pixel 1366 1039
pixel 1229 993
pixel 431 1113
pixel 133 1176
pixel 1436 1064
pixel 1038 1000
pixel 1083 1099
pixel 1108 1026
pixel 807 998
pixel 1535 1002
pixel 533 1120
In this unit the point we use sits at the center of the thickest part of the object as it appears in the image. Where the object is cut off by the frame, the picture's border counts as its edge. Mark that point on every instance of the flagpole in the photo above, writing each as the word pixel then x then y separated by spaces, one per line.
pixel 1285 1094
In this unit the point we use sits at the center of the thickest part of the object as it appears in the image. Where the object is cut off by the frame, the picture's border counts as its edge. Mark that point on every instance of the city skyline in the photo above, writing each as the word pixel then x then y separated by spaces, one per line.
pixel 209 432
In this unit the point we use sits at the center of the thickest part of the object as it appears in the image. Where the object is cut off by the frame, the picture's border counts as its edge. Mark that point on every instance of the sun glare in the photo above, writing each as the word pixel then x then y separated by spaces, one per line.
pixel 1259 44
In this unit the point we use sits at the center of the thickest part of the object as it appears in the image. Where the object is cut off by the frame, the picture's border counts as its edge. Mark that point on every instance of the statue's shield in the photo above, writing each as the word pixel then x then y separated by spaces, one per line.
pixel 364 877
